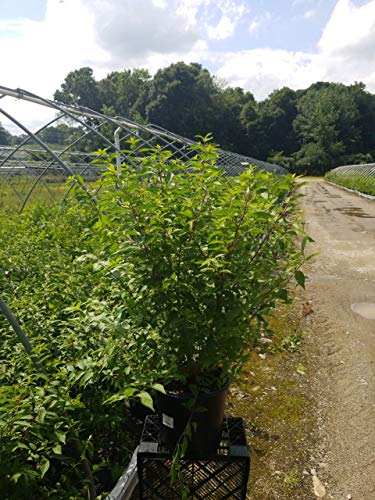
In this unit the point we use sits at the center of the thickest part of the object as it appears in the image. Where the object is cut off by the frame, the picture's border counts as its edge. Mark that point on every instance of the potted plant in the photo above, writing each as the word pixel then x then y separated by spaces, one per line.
pixel 202 260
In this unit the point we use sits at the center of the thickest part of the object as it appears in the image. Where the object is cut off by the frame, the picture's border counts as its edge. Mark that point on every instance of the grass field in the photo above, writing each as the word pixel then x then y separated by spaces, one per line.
pixel 18 192
pixel 14 191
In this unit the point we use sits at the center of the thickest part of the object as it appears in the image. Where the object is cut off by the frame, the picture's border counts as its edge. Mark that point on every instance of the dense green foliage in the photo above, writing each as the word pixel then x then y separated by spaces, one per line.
pixel 203 258
pixel 172 276
pixel 54 427
pixel 5 137
pixel 307 131
pixel 312 130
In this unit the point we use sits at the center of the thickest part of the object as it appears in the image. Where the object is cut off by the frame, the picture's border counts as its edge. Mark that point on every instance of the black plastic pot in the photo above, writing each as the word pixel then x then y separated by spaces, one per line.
pixel 175 411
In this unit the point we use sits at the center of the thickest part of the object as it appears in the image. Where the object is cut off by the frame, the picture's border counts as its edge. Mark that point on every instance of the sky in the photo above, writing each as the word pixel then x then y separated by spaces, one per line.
pixel 260 45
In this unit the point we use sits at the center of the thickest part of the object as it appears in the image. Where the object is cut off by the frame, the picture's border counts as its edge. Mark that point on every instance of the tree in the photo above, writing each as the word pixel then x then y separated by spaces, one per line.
pixel 250 125
pixel 326 125
pixel 365 102
pixel 181 99
pixel 60 134
pixel 126 92
pixel 275 123
pixel 80 89
pixel 5 136
pixel 229 130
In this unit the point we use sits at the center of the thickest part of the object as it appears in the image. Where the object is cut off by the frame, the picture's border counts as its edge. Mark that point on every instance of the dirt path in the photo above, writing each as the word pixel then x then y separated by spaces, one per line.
pixel 342 342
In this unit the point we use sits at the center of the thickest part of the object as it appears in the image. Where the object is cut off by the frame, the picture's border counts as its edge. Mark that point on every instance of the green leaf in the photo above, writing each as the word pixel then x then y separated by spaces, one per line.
pixel 305 240
pixel 105 220
pixel 128 392
pixel 200 409
pixel 61 436
pixel 146 400
pixel 21 445
pixel 88 376
pixel 300 278
pixel 283 294
pixel 44 466
pixel 57 449
pixel 41 414
pixel 16 476
pixel 159 387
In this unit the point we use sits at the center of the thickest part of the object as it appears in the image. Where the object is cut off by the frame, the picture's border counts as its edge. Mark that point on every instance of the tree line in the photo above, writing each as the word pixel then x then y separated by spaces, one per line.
pixel 306 131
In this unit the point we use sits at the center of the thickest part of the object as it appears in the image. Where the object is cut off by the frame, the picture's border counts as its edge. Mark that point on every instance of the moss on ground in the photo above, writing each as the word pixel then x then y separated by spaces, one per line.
pixel 273 397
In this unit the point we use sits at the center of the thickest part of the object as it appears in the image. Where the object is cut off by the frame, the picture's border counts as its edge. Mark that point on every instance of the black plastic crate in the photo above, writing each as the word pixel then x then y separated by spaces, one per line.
pixel 218 476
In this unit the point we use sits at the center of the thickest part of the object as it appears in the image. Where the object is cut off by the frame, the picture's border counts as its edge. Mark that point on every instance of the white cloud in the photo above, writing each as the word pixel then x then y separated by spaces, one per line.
pixel 37 55
pixel 223 29
pixel 220 18
pixel 142 31
pixel 346 53
pixel 40 52
pixel 132 31
pixel 235 9
pixel 348 43
pixel 263 70
pixel 350 30
pixel 160 3
pixel 259 22
pixel 109 35
pixel 255 25
pixel 103 34
pixel 309 14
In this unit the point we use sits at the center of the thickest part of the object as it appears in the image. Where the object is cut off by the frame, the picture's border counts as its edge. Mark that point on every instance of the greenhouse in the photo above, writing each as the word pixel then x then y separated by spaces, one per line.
pixel 34 169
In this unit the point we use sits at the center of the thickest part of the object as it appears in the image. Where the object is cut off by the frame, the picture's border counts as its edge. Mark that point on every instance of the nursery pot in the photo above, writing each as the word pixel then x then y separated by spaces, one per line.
pixel 175 411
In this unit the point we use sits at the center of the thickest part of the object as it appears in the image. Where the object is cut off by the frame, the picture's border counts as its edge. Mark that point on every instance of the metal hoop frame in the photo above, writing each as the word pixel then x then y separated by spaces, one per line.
pixel 33 166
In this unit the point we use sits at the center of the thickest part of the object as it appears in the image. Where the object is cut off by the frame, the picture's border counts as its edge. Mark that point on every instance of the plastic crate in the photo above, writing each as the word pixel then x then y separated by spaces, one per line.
pixel 219 475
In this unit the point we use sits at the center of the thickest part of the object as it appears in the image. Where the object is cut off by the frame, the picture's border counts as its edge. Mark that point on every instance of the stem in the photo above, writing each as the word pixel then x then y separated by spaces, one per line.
pixel 270 231
pixel 20 333
pixel 145 247
pixel 201 204
pixel 86 467
pixel 231 247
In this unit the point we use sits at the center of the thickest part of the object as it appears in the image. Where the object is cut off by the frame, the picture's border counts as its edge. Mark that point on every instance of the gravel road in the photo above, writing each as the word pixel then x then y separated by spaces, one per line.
pixel 341 289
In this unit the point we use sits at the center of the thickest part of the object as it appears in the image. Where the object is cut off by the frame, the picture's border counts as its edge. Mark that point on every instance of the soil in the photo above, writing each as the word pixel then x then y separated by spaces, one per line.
pixel 307 397
pixel 341 342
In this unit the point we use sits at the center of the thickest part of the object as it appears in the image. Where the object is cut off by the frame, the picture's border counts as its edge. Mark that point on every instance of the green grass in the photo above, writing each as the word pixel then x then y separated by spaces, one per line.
pixel 357 182
pixel 14 192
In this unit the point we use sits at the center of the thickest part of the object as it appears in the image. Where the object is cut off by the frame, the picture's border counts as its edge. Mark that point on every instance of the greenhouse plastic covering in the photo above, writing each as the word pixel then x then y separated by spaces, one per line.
pixel 366 172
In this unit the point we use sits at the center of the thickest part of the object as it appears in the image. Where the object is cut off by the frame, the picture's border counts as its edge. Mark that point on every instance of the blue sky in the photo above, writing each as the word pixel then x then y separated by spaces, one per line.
pixel 260 45
pixel 282 25
pixel 32 9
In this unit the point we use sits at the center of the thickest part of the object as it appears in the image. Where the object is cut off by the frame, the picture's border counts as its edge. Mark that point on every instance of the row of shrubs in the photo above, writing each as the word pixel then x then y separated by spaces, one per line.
pixel 169 279
pixel 360 178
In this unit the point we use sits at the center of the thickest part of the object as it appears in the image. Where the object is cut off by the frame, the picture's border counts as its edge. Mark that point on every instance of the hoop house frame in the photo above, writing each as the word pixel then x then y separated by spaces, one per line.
pixel 33 166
